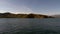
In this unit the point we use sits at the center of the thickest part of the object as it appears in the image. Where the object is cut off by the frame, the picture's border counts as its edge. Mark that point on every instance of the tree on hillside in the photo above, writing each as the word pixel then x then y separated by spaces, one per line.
pixel 30 16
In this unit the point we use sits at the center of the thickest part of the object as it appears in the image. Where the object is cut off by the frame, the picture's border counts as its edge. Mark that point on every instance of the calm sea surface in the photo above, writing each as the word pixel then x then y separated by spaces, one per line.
pixel 29 26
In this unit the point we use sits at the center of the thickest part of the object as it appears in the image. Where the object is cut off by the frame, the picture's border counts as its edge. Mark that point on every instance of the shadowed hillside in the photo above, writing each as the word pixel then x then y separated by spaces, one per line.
pixel 10 15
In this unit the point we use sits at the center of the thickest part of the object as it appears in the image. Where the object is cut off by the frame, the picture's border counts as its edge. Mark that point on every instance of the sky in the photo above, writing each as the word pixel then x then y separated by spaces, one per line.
pixel 46 7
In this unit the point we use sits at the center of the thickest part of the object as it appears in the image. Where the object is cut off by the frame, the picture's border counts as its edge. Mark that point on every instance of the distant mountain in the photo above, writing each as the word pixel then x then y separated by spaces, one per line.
pixel 57 16
pixel 10 15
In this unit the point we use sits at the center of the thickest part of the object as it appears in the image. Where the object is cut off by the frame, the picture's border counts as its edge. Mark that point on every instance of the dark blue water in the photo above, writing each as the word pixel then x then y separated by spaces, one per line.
pixel 29 26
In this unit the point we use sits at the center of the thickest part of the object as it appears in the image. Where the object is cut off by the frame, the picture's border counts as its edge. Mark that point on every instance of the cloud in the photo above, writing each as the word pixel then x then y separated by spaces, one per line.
pixel 8 6
pixel 21 9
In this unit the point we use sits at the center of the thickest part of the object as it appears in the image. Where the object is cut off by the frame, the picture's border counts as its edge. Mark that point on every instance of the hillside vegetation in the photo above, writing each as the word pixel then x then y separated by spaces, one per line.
pixel 10 15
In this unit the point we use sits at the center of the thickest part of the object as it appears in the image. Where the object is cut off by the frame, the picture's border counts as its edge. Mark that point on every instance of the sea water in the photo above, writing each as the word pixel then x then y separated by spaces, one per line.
pixel 29 26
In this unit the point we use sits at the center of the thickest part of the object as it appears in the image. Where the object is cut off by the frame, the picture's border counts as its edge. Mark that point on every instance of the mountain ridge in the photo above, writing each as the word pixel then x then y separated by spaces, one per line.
pixel 31 15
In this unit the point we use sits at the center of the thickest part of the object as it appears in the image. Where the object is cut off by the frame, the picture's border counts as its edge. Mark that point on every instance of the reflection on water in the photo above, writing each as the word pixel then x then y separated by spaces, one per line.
pixel 29 26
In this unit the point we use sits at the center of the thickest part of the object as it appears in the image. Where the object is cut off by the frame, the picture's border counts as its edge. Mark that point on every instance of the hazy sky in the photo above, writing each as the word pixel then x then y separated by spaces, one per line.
pixel 48 7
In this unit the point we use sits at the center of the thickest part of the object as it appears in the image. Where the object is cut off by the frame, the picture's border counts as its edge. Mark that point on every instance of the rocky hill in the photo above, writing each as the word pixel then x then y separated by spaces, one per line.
pixel 10 15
